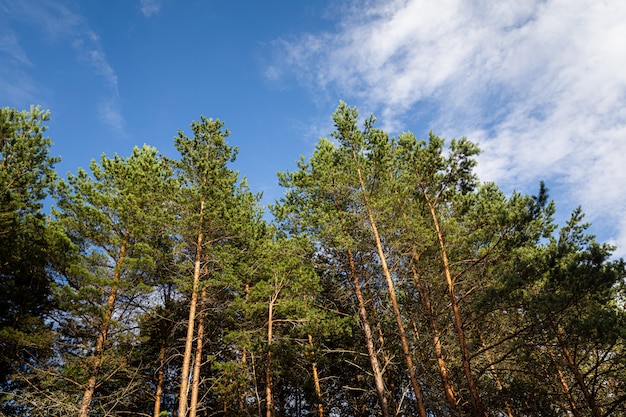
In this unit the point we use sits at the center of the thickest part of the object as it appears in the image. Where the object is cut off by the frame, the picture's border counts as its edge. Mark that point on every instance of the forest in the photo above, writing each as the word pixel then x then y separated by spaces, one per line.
pixel 390 281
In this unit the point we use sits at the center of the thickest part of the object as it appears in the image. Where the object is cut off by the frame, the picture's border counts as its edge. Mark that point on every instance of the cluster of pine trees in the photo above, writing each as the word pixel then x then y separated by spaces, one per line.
pixel 390 282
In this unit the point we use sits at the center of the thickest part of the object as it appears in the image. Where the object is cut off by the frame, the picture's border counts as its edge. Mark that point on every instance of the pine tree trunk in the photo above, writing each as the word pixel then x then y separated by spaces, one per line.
pixel 160 378
pixel 369 339
pixel 184 380
pixel 391 386
pixel 566 389
pixel 589 397
pixel 392 295
pixel 379 383
pixel 477 405
pixel 103 334
pixel 316 381
pixel 162 348
pixel 441 363
pixel 424 296
pixel 197 365
pixel 244 361
pixel 494 373
pixel 93 375
pixel 269 397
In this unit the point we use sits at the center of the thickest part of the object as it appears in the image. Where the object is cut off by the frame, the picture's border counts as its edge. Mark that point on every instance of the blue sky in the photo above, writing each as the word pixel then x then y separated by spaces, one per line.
pixel 539 84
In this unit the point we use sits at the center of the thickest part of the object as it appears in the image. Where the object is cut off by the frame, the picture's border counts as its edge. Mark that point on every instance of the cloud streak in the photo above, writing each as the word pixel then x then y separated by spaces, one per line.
pixel 60 23
pixel 10 46
pixel 539 84
pixel 150 7
pixel 15 83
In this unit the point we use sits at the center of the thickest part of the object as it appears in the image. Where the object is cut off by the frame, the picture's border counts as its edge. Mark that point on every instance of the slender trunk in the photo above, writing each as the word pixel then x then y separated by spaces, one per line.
pixel 269 398
pixel 430 314
pixel 477 405
pixel 244 362
pixel 566 389
pixel 93 375
pixel 184 380
pixel 391 386
pixel 578 376
pixel 392 295
pixel 103 334
pixel 160 378
pixel 494 373
pixel 197 365
pixel 369 339
pixel 163 346
pixel 244 350
pixel 425 299
pixel 256 385
pixel 316 381
pixel 367 330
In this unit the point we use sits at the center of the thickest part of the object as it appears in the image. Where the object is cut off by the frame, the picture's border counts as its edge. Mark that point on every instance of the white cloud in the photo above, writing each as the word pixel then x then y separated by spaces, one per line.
pixel 150 7
pixel 109 112
pixel 9 45
pixel 16 86
pixel 61 23
pixel 540 84
pixel 89 50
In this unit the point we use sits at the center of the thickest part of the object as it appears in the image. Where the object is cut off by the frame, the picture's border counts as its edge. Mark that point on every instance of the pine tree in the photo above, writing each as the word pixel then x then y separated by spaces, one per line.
pixel 318 203
pixel 219 218
pixel 115 219
pixel 26 242
pixel 578 327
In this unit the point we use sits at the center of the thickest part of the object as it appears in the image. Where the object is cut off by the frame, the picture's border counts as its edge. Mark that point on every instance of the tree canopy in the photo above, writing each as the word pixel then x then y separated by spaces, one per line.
pixel 389 281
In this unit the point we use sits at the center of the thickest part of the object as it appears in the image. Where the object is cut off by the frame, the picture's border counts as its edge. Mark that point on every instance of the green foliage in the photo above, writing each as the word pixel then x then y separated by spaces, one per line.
pixel 115 221
pixel 541 308
pixel 494 247
pixel 26 176
pixel 27 168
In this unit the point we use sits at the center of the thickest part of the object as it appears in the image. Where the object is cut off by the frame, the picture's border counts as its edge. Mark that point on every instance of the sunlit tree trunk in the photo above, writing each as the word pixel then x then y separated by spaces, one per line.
pixel 494 373
pixel 269 397
pixel 184 380
pixel 477 405
pixel 424 295
pixel 244 360
pixel 197 364
pixel 103 334
pixel 316 381
pixel 392 295
pixel 578 376
pixel 369 339
pixel 391 386
pixel 162 347
pixel 564 385
pixel 158 393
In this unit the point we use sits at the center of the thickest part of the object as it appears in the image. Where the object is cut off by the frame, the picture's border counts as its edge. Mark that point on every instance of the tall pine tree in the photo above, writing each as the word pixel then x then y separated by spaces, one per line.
pixel 115 219
pixel 26 176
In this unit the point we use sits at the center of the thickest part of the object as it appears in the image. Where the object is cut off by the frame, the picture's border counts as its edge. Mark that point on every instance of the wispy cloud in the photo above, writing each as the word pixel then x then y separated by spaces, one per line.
pixel 150 7
pixel 540 84
pixel 16 85
pixel 62 23
pixel 89 50
pixel 110 113
pixel 10 46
